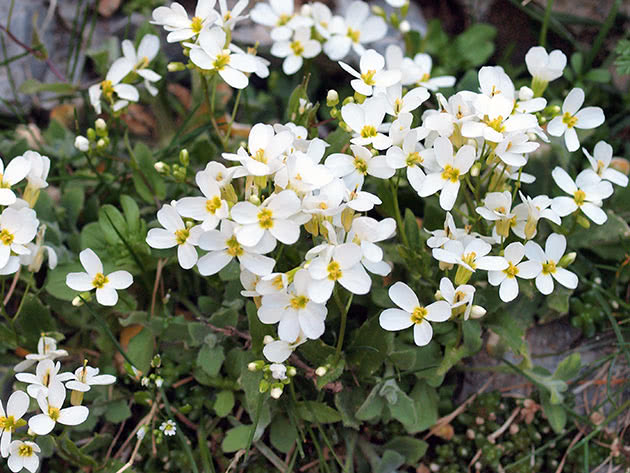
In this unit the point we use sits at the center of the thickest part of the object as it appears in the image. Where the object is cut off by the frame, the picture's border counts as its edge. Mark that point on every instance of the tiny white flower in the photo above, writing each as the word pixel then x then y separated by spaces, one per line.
pixel 209 209
pixel 514 147
pixel 140 59
pixel 424 64
pixel 17 169
pixel 460 298
pixel 498 208
pixel 411 312
pixel 211 54
pixel 573 116
pixel 448 232
pixel 353 169
pixel 94 278
pixel 600 162
pixel 545 66
pixel 453 112
pixel 278 371
pixel 471 257
pixel 372 73
pixel 300 47
pixel 11 419
pixel 366 232
pixel 547 263
pixel 280 16
pixel 116 93
pixel 587 193
pixel 398 103
pixel 175 233
pixel 175 20
pixel 52 412
pixel 39 168
pixel 168 428
pixel 17 229
pixel 46 373
pixel 365 120
pixel 408 156
pixel 46 350
pixel 23 454
pixel 278 351
pixel 529 212
pixel 38 250
pixel 82 144
pixel 361 201
pixel 453 169
pixel 85 377
pixel 506 279
pixel 229 17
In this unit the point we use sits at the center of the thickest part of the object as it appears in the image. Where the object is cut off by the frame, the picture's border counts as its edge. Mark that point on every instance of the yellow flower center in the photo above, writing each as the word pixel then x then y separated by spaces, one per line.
pixel 25 450
pixel 222 60
pixel 496 124
pixel 450 173
pixel 214 204
pixel 600 167
pixel 107 88
pixel 511 270
pixel 549 267
pixel 265 218
pixel 182 235
pixel 398 104
pixel 368 131
pixel 360 165
pixel 418 314
pixel 196 25
pixel 413 159
pixel 6 237
pixel 460 296
pixel 283 19
pixel 469 259
pixel 579 196
pixel 142 63
pixel 368 77
pixel 569 120
pixel 260 156
pixel 297 48
pixel 334 271
pixel 99 281
pixel 53 413
pixel 425 77
pixel 354 35
pixel 323 205
pixel 234 248
pixel 277 282
pixel 299 302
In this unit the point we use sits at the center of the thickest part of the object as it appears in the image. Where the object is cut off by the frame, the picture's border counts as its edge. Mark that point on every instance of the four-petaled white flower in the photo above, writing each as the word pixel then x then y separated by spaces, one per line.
pixel 600 162
pixel 587 193
pixel 140 59
pixel 17 229
pixel 412 313
pixel 11 419
pixel 175 233
pixel 175 20
pixel 94 278
pixel 300 47
pixel 353 169
pixel 529 212
pixel 168 428
pixel 506 279
pixel 23 454
pixel 85 377
pixel 46 350
pixel 53 411
pixel 17 169
pixel 498 208
pixel 544 66
pixel 365 120
pixel 116 93
pixel 209 209
pixel 547 261
pixel 459 298
pixel 424 64
pixel 573 116
pixel 46 373
pixel 471 257
pixel 372 73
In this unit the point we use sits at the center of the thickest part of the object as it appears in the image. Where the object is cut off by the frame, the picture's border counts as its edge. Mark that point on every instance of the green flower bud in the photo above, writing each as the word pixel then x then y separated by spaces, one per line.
pixel 332 98
pixel 184 157
pixel 567 259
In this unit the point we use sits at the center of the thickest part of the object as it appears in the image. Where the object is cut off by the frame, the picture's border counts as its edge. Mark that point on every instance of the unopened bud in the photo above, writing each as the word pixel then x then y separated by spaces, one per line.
pixel 159 381
pixel 332 98
pixel 254 199
pixel 438 295
pixel 77 302
pixel 91 134
pixel 347 100
pixel 474 171
pixel 378 11
pixel 82 144
pixel 567 259
pixel 291 371
pixel 156 362
pixel 267 339
pixel 583 221
pixel 176 66
pixel 100 125
pixel 184 157
pixel 476 312
pixel 162 167
pixel 256 365
pixel 263 386
pixel 404 27
pixel 276 392
pixel 101 143
pixel 306 10
pixel 321 371
pixel 334 113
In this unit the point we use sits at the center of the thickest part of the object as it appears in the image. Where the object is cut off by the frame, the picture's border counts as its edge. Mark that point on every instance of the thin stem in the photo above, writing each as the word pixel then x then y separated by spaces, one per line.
pixel 232 117
pixel 545 25
pixel 397 215
pixel 343 310
pixel 210 102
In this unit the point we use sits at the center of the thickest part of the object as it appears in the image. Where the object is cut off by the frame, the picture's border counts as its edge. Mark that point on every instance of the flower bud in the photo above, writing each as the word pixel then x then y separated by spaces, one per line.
pixel 583 221
pixel 254 199
pixel 101 143
pixel 291 371
pixel 321 371
pixel 156 362
pixel 276 391
pixel 162 167
pixel 474 171
pixel 567 259
pixel 77 302
pixel 347 100
pixel 82 144
pixel 378 11
pixel 462 276
pixel 438 295
pixel 267 339
pixel 404 27
pixel 256 365
pixel 263 386
pixel 159 381
pixel 334 113
pixel 332 98
pixel 176 66
pixel 306 10
pixel 100 125
pixel 184 157
pixel 477 312
pixel 91 134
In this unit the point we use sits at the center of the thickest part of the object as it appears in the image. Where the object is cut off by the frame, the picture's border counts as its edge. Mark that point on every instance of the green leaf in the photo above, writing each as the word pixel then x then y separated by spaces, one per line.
pixel 312 411
pixel 282 434
pixel 605 240
pixel 256 328
pixel 370 345
pixel 601 76
pixel 56 281
pixel 72 201
pixel 210 359
pixel 373 405
pixel 568 368
pixel 147 181
pixel 236 438
pixel 34 319
pixel 412 230
pixel 411 448
pixel 346 402
pixel 140 350
pixel 131 212
pixel 390 461
pixel 404 409
pixel 555 413
pixel 33 86
pixel 426 399
pixel 117 411
pixel 224 403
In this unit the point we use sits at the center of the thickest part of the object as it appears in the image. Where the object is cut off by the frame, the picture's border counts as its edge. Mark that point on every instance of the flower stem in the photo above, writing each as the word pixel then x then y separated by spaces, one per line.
pixel 343 310
pixel 232 118
pixel 397 215
pixel 210 102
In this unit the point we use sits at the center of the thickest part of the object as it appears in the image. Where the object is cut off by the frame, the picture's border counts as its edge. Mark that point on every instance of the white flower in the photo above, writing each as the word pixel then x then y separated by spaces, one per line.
pixel 460 298
pixel 11 419
pixel 322 16
pixel 506 279
pixel 373 73
pixel 211 54
pixel 412 313
pixel 470 257
pixel 38 173
pixel 37 250
pixel 93 278
pixel 529 212
pixel 209 209
pixel 600 162
pixel 498 208
pixel 513 148
pixel 23 454
pixel 175 20
pixel 453 168
pixel 46 373
pixel 17 229
pixel 587 193
pixel 303 174
pixel 361 201
pixel 17 169
pixel 279 15
pixel 275 215
pixel 398 103
pixel 547 262
pixel 294 51
pixel 545 67
pixel 326 201
pixel 52 412
pixel 574 117
pixel 278 371
pixel 294 311
pixel 454 111
pixel 168 428
pixel 424 64
pixel 117 94
pixel 366 232
pixel 140 59
pixel 397 3
pixel 229 17
pixel 408 156
pixel 493 81
pixel 356 29
pixel 85 377
pixel 223 247
pixel 278 351
pixel 46 350
pixel 496 119
pixel 341 264
pixel 365 120
pixel 401 127
pixel 221 174
pixel 449 232
pixel 353 169
pixel 175 233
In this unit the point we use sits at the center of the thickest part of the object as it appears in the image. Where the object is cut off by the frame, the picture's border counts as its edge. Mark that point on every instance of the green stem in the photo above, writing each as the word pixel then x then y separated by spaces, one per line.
pixel 28 287
pixel 210 102
pixel 343 310
pixel 232 118
pixel 545 25
pixel 602 35
pixel 397 215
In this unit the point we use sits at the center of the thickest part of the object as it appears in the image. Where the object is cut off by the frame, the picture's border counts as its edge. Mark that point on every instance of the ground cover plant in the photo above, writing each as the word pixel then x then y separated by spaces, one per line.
pixel 224 256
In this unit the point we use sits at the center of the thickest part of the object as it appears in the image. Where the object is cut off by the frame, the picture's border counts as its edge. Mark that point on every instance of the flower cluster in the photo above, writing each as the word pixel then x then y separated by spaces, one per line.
pixel 48 386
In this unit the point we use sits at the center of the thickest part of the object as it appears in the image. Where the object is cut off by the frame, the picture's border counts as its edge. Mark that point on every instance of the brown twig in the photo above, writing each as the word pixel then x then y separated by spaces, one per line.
pixel 183 381
pixel 116 437
pixel 37 54
pixel 12 287
pixel 158 276
pixel 492 438
pixel 566 454
pixel 145 420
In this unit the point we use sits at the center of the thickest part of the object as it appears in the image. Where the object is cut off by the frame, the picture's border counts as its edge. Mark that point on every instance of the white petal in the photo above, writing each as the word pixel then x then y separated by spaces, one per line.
pixel 508 290
pixel 187 255
pixel 395 319
pixel 107 296
pixel 422 333
pixel 589 117
pixel 566 278
pixel 594 212
pixel 544 283
pixel 79 282
pixel 91 262
pixel 74 415
pixel 120 279
pixel 403 296
pixel 41 424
